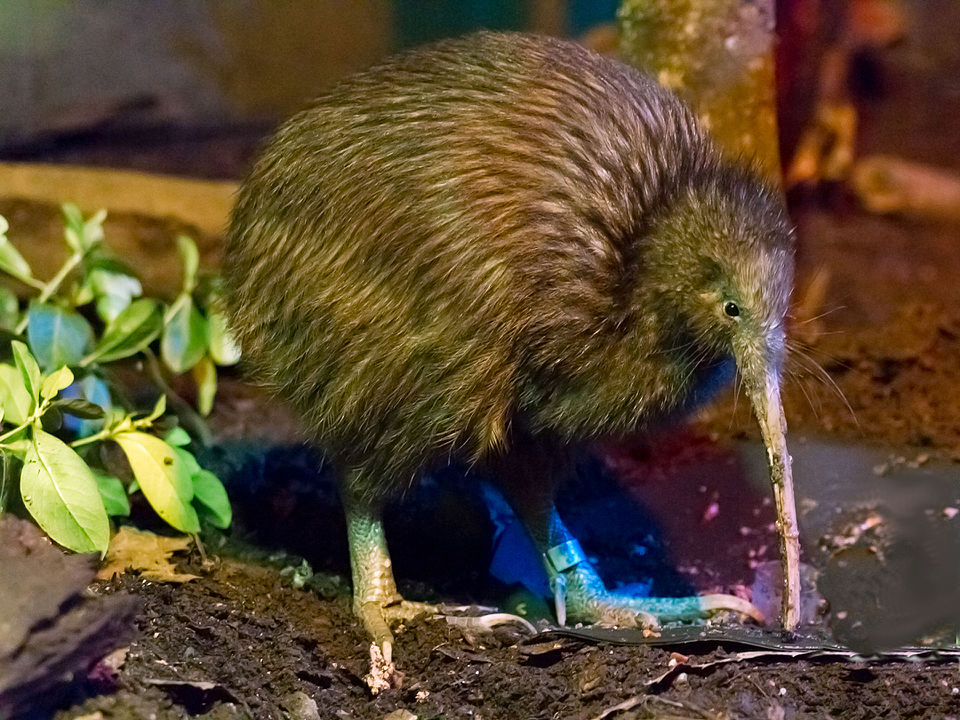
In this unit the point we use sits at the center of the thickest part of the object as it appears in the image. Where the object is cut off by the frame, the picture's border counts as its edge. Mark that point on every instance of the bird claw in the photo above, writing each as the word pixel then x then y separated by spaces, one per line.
pixel 499 629
pixel 710 604
pixel 377 619
pixel 448 610
pixel 487 623
pixel 383 674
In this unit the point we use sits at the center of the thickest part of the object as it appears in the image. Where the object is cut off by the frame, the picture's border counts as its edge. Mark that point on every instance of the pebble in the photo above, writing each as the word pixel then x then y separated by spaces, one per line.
pixel 400 714
pixel 300 706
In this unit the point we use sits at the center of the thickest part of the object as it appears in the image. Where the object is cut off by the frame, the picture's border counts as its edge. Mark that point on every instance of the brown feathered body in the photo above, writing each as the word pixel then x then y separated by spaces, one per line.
pixel 488 237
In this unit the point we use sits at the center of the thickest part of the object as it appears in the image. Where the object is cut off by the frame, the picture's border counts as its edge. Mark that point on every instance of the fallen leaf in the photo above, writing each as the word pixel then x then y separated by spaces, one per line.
pixel 146 553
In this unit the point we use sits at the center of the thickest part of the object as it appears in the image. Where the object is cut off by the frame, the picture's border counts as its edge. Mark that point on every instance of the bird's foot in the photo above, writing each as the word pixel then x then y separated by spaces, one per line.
pixel 588 601
pixel 612 610
pixel 475 622
pixel 378 619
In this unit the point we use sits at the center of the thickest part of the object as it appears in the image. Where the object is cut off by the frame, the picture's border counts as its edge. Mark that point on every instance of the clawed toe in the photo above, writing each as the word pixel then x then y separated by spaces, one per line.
pixel 492 622
pixel 383 674
pixel 377 619
pixel 710 604
pixel 621 612
pixel 408 611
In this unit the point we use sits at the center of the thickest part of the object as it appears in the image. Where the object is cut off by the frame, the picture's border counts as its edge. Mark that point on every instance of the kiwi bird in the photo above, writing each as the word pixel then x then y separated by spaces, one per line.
pixel 492 249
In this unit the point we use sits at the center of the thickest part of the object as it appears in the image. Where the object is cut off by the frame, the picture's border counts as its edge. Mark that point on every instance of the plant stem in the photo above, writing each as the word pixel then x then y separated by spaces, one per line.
pixel 203 553
pixel 61 275
pixel 174 308
pixel 34 417
pixel 25 424
pixel 103 434
pixel 51 287
pixel 4 485
pixel 31 282
pixel 191 419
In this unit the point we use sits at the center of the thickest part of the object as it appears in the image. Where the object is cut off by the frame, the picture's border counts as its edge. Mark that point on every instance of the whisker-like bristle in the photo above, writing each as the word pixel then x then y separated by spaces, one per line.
pixel 825 313
pixel 803 388
pixel 803 357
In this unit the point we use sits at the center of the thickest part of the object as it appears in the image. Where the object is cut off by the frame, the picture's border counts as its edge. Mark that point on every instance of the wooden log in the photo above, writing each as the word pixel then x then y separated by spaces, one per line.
pixel 718 55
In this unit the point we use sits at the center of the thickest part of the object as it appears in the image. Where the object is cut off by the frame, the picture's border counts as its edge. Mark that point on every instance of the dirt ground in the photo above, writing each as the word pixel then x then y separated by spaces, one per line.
pixel 257 636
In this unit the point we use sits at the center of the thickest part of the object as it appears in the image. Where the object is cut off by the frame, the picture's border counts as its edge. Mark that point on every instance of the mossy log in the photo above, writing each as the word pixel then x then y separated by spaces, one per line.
pixel 718 55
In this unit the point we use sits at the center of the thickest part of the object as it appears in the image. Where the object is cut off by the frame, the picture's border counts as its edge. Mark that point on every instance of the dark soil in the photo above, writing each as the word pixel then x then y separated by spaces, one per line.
pixel 673 514
pixel 257 647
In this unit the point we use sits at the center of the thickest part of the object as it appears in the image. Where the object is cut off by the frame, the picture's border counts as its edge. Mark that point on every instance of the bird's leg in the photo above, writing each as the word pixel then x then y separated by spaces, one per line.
pixel 580 595
pixel 527 479
pixel 375 598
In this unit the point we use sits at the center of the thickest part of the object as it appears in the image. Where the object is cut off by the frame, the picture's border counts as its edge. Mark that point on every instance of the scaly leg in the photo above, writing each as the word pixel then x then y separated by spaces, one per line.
pixel 527 476
pixel 375 598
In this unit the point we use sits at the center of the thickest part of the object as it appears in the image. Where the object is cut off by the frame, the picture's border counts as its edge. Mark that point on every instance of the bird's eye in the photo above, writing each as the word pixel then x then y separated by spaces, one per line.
pixel 731 309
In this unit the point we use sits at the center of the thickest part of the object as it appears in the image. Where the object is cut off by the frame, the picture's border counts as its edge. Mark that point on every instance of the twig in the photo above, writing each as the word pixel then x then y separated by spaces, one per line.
pixel 51 287
pixel 195 424
pixel 4 484
pixel 893 185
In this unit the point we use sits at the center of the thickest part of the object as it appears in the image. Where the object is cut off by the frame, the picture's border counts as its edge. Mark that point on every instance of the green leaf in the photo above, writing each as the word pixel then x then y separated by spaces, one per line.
pixel 82 294
pixel 11 261
pixel 208 491
pixel 16 400
pixel 97 393
pixel 163 477
pixel 80 234
pixel 178 437
pixel 60 491
pixel 184 339
pixel 159 408
pixel 57 336
pixel 211 496
pixel 114 291
pixel 189 461
pixel 223 346
pixel 29 370
pixel 113 494
pixel 205 375
pixel 73 226
pixel 93 228
pixel 72 215
pixel 78 407
pixel 191 262
pixel 55 382
pixel 52 420
pixel 131 331
pixel 9 309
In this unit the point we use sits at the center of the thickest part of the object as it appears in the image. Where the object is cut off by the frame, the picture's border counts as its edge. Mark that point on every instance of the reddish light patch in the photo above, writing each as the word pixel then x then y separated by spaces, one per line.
pixel 673 475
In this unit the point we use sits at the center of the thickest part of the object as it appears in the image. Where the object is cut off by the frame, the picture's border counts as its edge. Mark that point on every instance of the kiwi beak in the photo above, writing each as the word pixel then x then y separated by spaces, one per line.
pixel 764 394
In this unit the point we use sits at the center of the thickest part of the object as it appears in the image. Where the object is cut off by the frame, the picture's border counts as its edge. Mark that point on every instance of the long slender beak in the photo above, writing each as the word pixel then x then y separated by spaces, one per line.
pixel 767 406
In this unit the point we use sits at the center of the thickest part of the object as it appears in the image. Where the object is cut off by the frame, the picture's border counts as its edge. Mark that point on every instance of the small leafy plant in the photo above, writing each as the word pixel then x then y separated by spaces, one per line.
pixel 57 404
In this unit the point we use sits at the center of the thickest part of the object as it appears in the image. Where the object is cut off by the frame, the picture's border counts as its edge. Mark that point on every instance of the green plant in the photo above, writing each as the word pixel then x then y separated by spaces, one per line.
pixel 57 405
